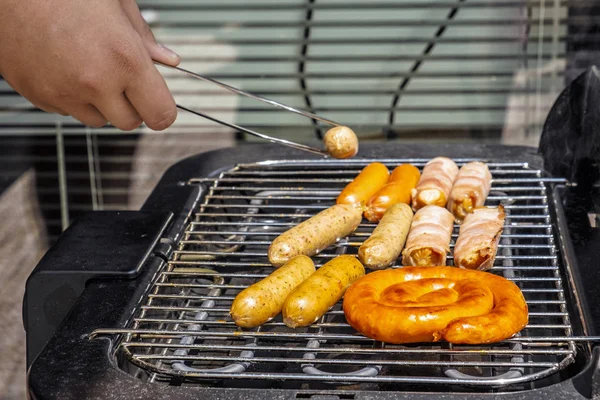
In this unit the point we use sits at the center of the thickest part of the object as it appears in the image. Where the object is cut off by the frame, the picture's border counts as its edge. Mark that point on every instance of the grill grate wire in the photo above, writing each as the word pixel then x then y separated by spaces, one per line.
pixel 182 330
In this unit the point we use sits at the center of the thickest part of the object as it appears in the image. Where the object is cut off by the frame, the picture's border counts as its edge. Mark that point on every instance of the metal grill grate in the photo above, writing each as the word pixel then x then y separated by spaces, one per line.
pixel 181 328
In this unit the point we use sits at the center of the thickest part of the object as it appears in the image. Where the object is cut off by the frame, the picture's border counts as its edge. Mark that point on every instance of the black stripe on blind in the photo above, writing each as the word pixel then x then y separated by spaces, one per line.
pixel 345 59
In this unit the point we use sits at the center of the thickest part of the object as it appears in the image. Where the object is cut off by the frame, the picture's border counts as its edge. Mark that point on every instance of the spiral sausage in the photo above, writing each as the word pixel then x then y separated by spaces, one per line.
pixel 429 304
pixel 435 183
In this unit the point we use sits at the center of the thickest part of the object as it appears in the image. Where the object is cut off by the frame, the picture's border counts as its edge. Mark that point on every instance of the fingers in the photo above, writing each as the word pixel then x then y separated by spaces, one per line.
pixel 89 115
pixel 50 109
pixel 149 94
pixel 157 51
pixel 119 111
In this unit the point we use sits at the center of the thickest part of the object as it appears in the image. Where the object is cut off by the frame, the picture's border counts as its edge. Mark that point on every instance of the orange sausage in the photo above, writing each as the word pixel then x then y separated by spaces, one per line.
pixel 428 304
pixel 403 180
pixel 372 178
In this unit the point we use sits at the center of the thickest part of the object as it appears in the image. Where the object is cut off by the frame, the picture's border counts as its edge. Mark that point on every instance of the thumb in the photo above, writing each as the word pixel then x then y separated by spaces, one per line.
pixel 157 51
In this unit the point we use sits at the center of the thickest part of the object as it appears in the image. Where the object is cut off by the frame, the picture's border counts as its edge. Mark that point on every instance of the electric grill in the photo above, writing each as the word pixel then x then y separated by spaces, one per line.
pixel 134 304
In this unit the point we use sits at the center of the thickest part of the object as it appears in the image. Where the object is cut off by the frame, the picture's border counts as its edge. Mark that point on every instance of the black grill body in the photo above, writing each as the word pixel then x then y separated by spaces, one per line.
pixel 96 274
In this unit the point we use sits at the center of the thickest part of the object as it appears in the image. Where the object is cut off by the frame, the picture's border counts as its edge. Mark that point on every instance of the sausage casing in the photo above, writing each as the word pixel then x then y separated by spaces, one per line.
pixel 478 238
pixel 435 183
pixel 428 304
pixel 263 300
pixel 317 294
pixel 368 182
pixel 341 142
pixel 314 234
pixel 470 189
pixel 386 242
pixel 402 181
pixel 429 238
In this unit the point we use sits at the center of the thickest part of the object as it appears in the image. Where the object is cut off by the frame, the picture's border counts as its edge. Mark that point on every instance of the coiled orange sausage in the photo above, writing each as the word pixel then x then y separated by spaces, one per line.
pixel 372 178
pixel 428 304
pixel 402 181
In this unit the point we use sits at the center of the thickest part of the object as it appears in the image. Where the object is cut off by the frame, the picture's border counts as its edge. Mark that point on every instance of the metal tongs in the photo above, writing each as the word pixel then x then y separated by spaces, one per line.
pixel 255 97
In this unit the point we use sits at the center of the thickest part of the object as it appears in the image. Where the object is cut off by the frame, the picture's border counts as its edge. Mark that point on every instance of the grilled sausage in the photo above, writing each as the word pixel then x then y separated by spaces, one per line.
pixel 262 301
pixel 314 234
pixel 316 295
pixel 341 142
pixel 478 238
pixel 372 178
pixel 429 237
pixel 386 242
pixel 402 181
pixel 428 304
pixel 470 189
pixel 435 183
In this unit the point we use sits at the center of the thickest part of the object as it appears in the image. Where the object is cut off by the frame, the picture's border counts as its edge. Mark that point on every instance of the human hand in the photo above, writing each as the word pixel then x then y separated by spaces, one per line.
pixel 88 59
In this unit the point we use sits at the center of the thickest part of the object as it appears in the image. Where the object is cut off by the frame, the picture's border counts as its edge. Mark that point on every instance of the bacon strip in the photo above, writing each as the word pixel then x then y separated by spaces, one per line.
pixel 470 189
pixel 429 237
pixel 478 238
pixel 435 183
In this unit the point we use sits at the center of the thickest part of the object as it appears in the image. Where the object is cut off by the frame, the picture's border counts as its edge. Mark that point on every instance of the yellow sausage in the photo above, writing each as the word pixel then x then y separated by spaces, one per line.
pixel 315 234
pixel 372 178
pixel 316 295
pixel 386 242
pixel 402 181
pixel 260 302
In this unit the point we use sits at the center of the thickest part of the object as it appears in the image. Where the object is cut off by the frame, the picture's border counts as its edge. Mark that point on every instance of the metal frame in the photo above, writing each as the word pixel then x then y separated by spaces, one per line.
pixel 181 331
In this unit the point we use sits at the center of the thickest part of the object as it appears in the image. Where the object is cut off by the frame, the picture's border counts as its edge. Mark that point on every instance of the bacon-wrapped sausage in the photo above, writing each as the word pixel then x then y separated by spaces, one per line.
pixel 478 238
pixel 470 189
pixel 435 183
pixel 429 237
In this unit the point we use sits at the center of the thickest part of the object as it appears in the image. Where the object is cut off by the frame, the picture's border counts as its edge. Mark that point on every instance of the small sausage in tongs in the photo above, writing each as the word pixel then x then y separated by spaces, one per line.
pixel 435 183
pixel 470 189
pixel 429 237
pixel 478 238
pixel 341 142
